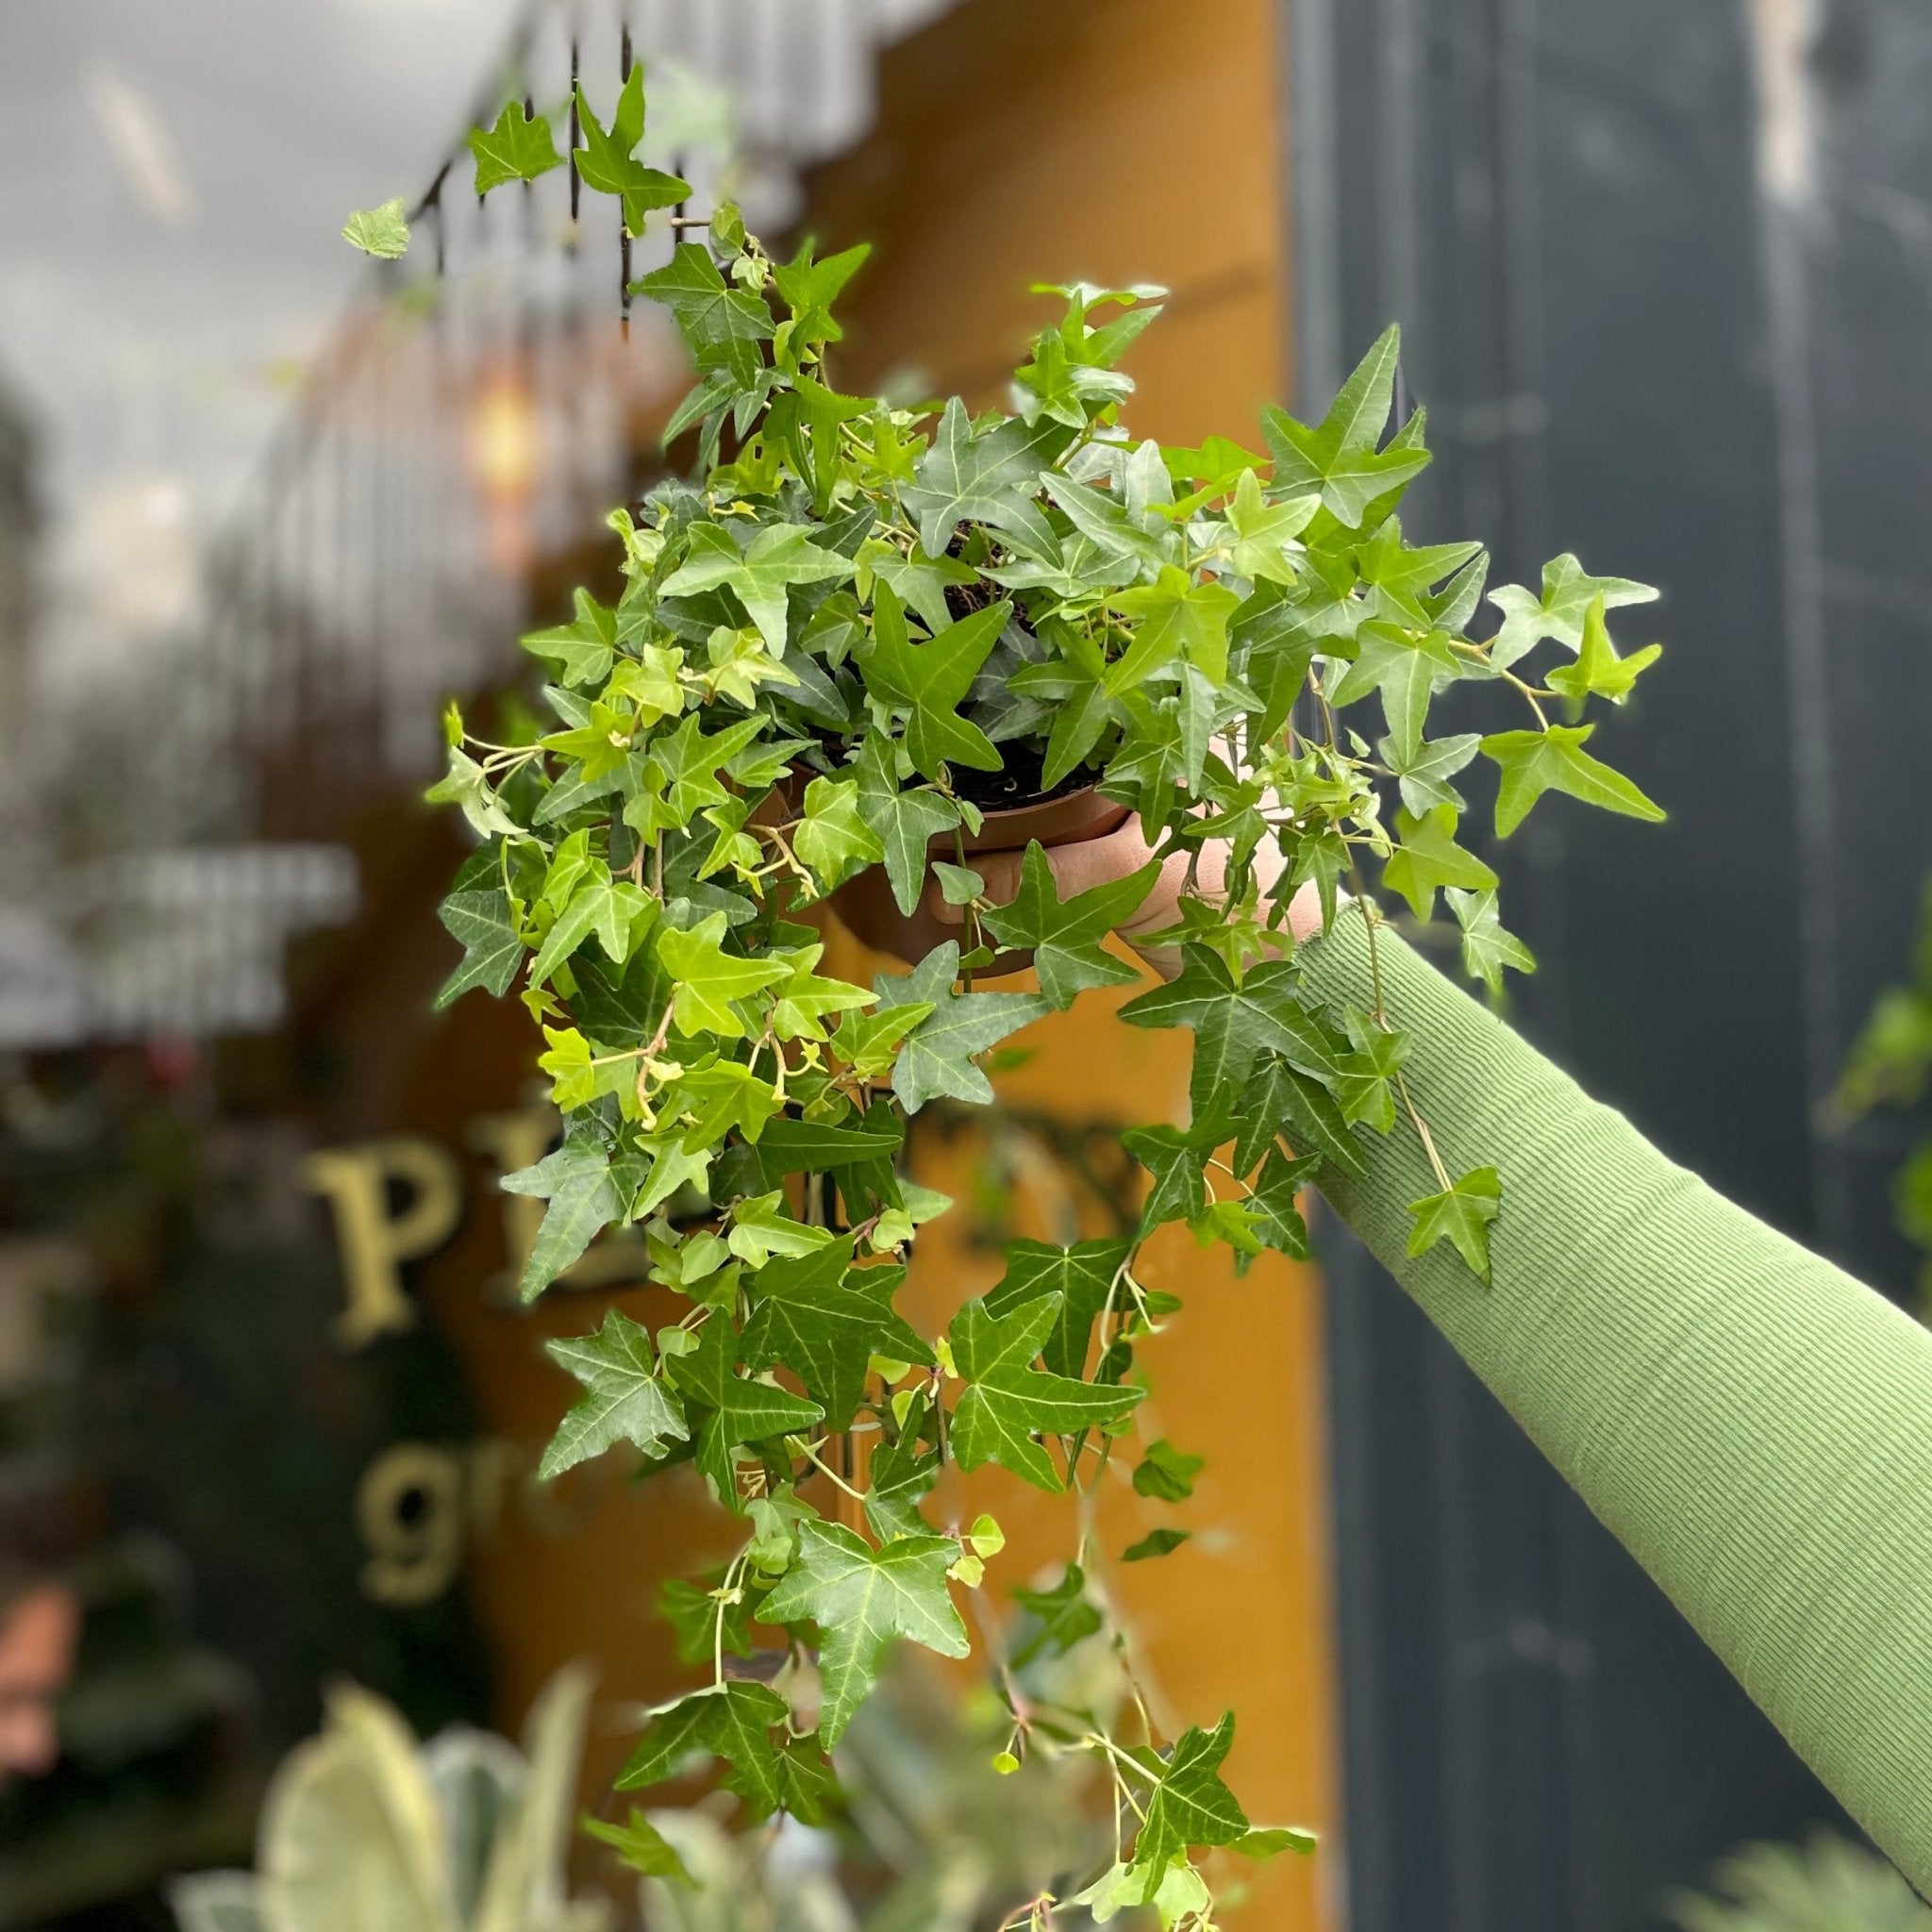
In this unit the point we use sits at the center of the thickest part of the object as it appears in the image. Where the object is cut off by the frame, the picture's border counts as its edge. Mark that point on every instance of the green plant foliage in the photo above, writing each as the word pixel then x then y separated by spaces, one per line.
pixel 363 1827
pixel 382 231
pixel 1891 1065
pixel 844 617
pixel 1826 1884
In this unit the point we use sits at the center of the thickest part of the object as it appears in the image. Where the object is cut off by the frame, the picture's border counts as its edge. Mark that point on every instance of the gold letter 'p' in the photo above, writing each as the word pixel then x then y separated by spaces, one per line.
pixel 373 1241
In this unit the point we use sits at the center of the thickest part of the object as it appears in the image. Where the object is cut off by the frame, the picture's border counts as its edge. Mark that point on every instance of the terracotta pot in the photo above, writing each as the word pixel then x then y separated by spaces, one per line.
pixel 865 906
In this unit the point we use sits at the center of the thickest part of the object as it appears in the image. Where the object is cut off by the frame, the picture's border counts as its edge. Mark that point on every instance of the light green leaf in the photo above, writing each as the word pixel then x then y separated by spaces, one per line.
pixel 1190 1805
pixel 833 838
pixel 988 479
pixel 1177 622
pixel 1486 947
pixel 518 148
pixel 379 232
pixel 1429 856
pixel 1598 671
pixel 641 1846
pixel 709 980
pixel 1568 593
pixel 608 162
pixel 762 574
pixel 1462 1216
pixel 1534 762
pixel 1083 1276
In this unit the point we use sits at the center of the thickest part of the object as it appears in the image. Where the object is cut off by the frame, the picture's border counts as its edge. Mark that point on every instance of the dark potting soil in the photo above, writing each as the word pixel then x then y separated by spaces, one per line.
pixel 1018 781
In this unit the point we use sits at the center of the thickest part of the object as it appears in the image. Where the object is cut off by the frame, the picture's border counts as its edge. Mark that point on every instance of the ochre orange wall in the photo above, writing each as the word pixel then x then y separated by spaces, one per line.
pixel 1122 141
pixel 1111 140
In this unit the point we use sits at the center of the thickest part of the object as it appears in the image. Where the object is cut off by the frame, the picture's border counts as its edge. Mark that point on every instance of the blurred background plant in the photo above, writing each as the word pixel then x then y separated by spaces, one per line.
pixel 1889 1066
pixel 1827 1884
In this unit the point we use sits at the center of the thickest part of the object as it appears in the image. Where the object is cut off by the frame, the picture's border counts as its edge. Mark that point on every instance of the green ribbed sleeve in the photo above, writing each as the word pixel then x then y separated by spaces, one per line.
pixel 1751 1422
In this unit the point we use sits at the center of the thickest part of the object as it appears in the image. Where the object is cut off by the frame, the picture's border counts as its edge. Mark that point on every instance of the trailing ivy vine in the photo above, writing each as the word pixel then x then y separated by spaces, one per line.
pixel 848 616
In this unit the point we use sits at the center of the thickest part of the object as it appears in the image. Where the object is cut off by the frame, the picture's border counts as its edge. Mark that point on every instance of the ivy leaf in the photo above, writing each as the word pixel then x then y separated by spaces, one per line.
pixel 1342 459
pixel 1234 1022
pixel 904 823
pixel 1487 946
pixel 810 288
pixel 585 1194
pixel 1190 1805
pixel 1534 762
pixel 708 978
pixel 1177 622
pixel 732 1719
pixel 1270 1840
pixel 937 1058
pixel 1429 856
pixel 1598 671
pixel 929 682
pixel 1177 1159
pixel 722 326
pixel 638 1842
pixel 1064 1616
pixel 467 787
pixel 1408 669
pixel 1568 593
pixel 1263 530
pixel 1425 771
pixel 1278 1100
pixel 718 1098
pixel 703 1624
pixel 1006 1403
pixel 762 574
pixel 1082 1276
pixel 804 998
pixel 740 1410
pixel 992 477
pixel 688 762
pixel 610 909
pixel 1166 1474
pixel 1075 684
pixel 379 232
pixel 1065 934
pixel 761 1228
pixel 1462 1216
pixel 1157 1543
pixel 833 838
pixel 584 649
pixel 1274 1204
pixel 823 1320
pixel 861 1598
pixel 623 1400
pixel 518 148
pixel 607 160
pixel 480 921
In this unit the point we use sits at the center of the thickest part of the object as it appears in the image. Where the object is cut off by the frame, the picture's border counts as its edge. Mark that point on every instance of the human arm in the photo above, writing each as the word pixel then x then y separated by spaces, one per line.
pixel 1749 1421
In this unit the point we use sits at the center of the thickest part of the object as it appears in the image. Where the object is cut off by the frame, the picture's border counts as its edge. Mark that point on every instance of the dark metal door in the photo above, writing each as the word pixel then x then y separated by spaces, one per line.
pixel 1665 272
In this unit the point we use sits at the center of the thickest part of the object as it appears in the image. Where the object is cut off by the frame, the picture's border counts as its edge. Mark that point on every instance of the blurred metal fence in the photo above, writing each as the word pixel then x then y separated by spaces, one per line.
pixel 477 409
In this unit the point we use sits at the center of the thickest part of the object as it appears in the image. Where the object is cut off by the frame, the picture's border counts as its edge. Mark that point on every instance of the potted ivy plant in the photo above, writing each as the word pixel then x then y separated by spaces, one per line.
pixel 858 645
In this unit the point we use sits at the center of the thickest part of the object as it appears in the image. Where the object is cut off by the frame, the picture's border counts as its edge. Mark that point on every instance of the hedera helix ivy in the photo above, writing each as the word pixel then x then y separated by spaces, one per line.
pixel 849 613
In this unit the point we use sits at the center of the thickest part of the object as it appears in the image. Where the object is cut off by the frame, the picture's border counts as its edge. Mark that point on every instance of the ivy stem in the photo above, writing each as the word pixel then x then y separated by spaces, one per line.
pixel 824 1469
pixel 718 1629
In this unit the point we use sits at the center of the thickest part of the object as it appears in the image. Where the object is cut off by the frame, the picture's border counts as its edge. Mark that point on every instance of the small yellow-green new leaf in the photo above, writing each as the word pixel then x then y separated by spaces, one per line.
pixel 832 838
pixel 708 978
pixel 1598 672
pixel 1534 762
pixel 1262 529
pixel 1429 856
pixel 1462 1216
pixel 379 232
